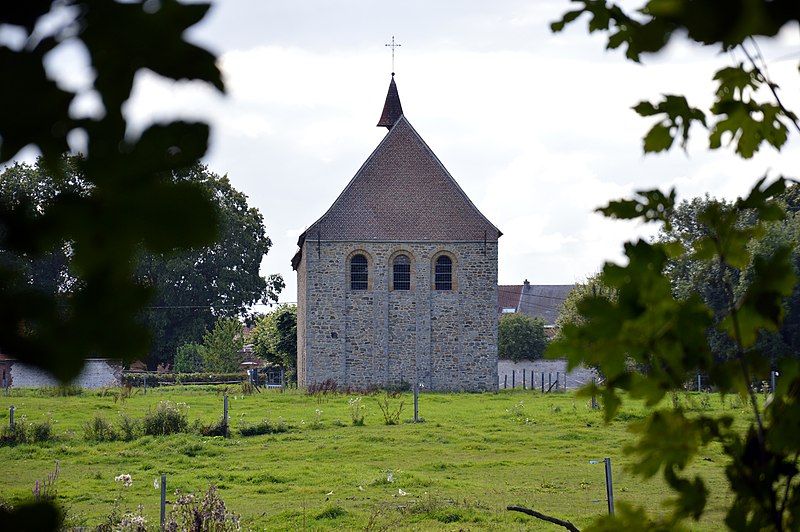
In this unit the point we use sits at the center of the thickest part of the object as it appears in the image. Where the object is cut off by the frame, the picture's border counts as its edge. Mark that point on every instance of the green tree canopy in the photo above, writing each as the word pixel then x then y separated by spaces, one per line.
pixel 189 288
pixel 716 283
pixel 520 337
pixel 274 337
pixel 222 346
pixel 189 358
pixel 570 313
pixel 192 288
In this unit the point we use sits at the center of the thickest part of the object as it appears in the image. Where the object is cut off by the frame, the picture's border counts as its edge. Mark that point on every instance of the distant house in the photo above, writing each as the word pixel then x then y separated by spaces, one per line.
pixel 535 300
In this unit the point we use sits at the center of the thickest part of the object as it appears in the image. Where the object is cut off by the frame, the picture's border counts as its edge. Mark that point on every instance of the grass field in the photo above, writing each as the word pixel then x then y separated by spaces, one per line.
pixel 473 455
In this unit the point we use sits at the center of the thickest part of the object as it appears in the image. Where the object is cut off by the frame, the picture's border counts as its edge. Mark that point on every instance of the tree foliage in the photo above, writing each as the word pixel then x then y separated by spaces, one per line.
pixel 132 203
pixel 713 281
pixel 189 288
pixel 222 346
pixel 274 337
pixel 520 337
pixel 189 358
pixel 193 287
pixel 570 312
pixel 666 332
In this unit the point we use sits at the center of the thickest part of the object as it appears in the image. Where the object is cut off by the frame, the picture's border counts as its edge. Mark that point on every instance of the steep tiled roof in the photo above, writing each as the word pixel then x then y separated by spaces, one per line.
pixel 508 296
pixel 542 300
pixel 401 193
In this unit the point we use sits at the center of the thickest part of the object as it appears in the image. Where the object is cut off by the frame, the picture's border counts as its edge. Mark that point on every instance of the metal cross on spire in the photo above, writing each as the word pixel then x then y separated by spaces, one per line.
pixel 393 45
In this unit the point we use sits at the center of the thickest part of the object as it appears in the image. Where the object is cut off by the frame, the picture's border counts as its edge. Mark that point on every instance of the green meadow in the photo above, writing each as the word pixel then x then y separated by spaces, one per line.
pixel 469 457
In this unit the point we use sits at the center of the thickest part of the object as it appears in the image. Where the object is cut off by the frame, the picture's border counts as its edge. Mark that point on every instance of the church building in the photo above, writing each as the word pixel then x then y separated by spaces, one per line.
pixel 397 281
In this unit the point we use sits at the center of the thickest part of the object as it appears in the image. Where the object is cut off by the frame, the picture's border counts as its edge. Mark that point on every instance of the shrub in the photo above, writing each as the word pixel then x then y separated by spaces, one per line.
pixel 99 429
pixel 41 431
pixel 263 427
pixel 157 379
pixel 167 418
pixel 331 512
pixel 189 358
pixel 128 427
pixel 391 413
pixel 14 435
pixel 520 337
pixel 63 390
pixel 220 428
pixel 189 512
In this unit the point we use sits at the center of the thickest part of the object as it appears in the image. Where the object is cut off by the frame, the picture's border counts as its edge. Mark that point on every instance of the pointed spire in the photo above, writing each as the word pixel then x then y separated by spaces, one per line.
pixel 392 110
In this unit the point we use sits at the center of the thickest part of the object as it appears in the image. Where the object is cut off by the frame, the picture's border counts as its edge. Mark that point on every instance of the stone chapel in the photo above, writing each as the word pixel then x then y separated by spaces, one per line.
pixel 397 281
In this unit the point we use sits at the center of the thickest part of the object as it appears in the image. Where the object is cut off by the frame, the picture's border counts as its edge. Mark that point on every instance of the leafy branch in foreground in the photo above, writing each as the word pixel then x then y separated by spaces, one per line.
pixel 667 337
pixel 740 117
pixel 131 205
pixel 665 329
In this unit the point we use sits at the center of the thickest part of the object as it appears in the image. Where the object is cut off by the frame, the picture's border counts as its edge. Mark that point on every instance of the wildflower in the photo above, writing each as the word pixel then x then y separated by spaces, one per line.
pixel 390 478
pixel 156 484
pixel 401 492
pixel 126 480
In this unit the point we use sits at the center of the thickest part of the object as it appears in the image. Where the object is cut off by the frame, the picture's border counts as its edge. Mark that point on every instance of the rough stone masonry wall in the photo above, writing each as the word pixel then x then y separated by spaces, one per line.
pixel 301 321
pixel 445 339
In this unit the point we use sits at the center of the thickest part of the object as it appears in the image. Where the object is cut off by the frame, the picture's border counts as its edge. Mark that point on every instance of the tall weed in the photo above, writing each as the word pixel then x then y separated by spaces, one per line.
pixel 99 429
pixel 167 418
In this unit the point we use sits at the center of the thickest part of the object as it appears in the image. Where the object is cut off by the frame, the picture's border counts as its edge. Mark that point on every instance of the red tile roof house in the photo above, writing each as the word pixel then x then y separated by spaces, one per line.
pixel 397 281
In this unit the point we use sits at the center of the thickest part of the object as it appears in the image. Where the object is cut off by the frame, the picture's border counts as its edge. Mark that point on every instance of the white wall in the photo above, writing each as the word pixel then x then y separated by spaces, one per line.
pixel 97 373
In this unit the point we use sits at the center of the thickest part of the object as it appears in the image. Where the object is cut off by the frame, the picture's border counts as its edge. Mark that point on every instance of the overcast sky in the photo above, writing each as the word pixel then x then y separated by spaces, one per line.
pixel 535 127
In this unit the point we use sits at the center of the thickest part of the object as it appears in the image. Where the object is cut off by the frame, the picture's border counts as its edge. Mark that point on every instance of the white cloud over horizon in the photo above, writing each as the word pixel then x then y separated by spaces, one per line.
pixel 536 128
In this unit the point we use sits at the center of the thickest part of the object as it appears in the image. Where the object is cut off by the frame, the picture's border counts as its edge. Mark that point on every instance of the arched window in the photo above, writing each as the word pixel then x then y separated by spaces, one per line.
pixel 443 279
pixel 401 273
pixel 359 273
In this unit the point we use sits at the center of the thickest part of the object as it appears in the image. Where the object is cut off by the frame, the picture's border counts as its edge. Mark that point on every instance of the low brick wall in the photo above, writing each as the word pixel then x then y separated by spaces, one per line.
pixel 97 373
pixel 509 372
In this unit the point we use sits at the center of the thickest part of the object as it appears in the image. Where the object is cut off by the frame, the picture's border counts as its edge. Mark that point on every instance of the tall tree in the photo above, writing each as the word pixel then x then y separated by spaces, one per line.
pixel 668 334
pixel 194 287
pixel 520 337
pixel 690 276
pixel 274 338
pixel 222 346
pixel 570 313
pixel 130 205
pixel 190 288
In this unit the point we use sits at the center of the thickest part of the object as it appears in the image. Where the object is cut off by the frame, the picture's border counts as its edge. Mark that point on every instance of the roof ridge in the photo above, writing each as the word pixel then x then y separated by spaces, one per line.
pixel 447 173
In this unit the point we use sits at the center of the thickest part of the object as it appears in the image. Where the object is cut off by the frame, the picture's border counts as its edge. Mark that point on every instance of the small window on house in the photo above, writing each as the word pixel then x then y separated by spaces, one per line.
pixel 359 275
pixel 444 273
pixel 401 271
